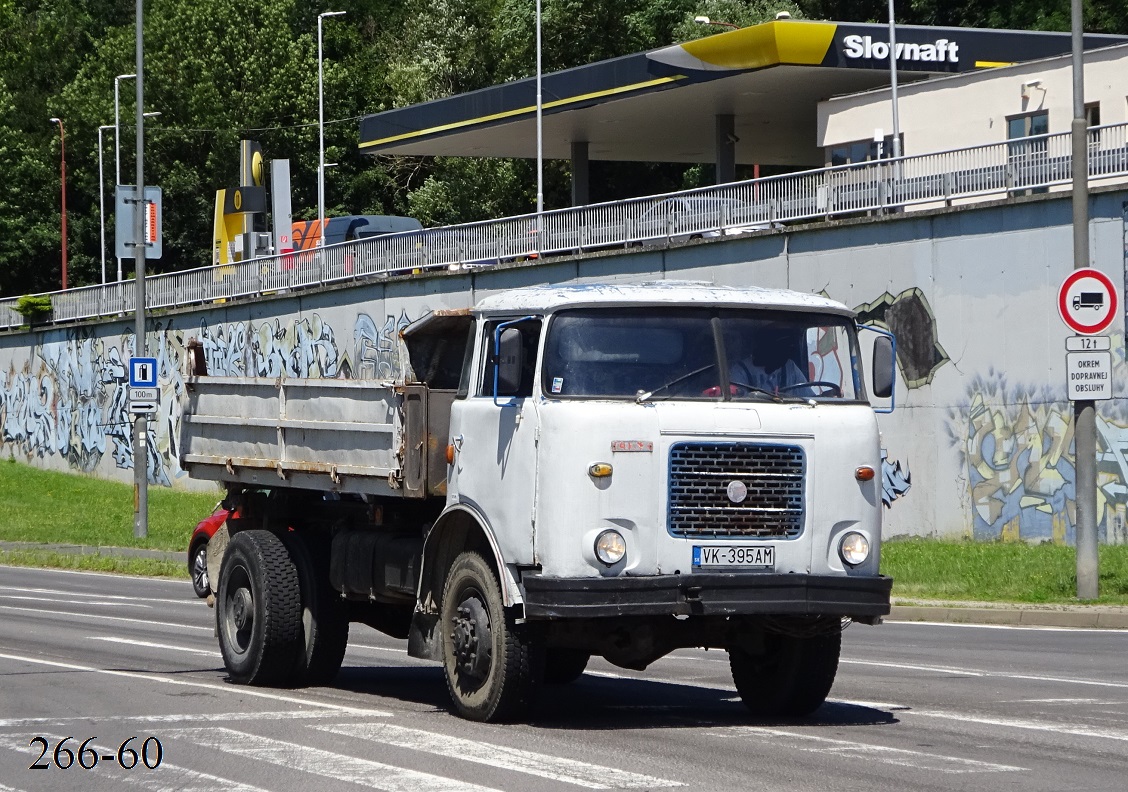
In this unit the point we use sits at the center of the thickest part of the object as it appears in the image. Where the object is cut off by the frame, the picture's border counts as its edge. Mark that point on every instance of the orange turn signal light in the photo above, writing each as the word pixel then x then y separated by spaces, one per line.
pixel 865 473
pixel 450 454
pixel 599 470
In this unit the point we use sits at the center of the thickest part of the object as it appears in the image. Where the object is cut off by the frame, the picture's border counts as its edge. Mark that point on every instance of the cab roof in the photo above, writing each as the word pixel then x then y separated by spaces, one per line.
pixel 549 298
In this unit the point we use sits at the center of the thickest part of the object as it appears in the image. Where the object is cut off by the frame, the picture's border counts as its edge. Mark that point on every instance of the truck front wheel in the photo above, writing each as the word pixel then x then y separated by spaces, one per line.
pixel 791 678
pixel 259 610
pixel 492 666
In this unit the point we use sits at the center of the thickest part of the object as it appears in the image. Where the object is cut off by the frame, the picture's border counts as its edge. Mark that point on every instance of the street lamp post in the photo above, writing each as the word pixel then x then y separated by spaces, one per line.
pixel 63 179
pixel 540 134
pixel 321 130
pixel 102 196
pixel 117 144
pixel 893 86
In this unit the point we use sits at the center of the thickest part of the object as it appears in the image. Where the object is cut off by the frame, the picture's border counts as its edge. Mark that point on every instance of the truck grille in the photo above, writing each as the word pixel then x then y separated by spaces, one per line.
pixel 700 479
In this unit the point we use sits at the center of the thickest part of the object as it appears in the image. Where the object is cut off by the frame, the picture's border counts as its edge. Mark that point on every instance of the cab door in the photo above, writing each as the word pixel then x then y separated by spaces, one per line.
pixel 495 437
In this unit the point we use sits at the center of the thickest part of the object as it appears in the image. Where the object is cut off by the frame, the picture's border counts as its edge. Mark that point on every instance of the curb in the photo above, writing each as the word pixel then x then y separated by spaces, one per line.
pixel 77 549
pixel 1091 616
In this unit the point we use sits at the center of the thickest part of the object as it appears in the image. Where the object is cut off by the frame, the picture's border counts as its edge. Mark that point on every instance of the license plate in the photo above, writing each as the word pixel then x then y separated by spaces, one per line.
pixel 734 556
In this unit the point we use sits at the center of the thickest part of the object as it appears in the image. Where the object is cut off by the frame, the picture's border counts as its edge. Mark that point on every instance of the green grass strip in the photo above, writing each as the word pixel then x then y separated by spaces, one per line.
pixel 47 506
pixel 998 571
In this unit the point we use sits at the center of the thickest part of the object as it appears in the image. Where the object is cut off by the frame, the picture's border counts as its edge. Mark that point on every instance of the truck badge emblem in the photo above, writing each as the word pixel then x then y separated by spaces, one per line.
pixel 737 491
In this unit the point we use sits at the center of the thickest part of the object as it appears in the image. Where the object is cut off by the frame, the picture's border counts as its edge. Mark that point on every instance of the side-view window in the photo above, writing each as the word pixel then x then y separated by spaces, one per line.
pixel 529 336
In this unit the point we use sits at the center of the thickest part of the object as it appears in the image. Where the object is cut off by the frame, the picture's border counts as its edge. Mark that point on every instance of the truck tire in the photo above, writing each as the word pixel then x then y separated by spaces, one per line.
pixel 564 666
pixel 258 610
pixel 325 625
pixel 791 679
pixel 493 668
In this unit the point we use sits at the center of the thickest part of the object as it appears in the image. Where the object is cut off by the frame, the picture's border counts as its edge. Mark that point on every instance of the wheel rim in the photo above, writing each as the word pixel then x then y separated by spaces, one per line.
pixel 200 569
pixel 472 639
pixel 239 611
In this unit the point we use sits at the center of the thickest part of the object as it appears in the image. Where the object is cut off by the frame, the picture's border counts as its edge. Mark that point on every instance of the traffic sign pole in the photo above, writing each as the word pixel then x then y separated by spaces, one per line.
pixel 140 422
pixel 1084 411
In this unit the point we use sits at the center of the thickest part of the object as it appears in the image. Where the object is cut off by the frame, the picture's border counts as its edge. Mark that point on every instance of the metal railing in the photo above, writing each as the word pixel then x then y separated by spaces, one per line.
pixel 1032 164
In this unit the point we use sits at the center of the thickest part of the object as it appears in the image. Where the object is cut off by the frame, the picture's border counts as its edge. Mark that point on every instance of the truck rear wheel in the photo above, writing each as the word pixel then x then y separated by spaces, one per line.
pixel 258 610
pixel 325 625
pixel 563 666
pixel 792 677
pixel 492 666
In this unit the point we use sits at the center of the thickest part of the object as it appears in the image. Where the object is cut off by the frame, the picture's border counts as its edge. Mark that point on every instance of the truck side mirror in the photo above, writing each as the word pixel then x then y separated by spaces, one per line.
pixel 884 367
pixel 510 362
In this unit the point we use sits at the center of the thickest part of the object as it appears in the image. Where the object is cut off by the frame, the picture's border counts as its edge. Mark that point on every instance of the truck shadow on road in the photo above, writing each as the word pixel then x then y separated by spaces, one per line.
pixel 595 702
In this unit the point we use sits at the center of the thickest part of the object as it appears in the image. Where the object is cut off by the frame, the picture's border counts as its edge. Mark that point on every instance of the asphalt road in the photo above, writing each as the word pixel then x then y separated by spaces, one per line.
pixel 916 707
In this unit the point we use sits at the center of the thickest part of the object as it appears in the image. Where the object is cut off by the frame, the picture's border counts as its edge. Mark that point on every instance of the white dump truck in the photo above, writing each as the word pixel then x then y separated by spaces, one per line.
pixel 560 472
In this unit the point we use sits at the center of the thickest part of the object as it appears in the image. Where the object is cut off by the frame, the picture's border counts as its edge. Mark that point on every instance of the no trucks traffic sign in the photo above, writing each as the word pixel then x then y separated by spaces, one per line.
pixel 1087 301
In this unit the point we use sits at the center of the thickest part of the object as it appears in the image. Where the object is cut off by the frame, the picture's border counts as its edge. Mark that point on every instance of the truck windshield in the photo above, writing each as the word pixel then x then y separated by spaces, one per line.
pixel 653 354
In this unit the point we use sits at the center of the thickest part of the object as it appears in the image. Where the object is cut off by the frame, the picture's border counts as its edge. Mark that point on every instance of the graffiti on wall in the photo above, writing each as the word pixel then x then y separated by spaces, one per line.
pixel 895 479
pixel 1016 447
pixel 909 317
pixel 70 397
pixel 376 348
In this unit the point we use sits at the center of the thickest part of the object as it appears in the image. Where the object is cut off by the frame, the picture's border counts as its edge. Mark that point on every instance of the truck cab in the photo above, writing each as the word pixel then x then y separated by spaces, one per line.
pixel 665 465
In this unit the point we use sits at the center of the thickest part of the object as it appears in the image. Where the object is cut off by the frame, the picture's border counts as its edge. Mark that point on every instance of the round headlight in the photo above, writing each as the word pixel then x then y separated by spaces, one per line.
pixel 610 547
pixel 854 548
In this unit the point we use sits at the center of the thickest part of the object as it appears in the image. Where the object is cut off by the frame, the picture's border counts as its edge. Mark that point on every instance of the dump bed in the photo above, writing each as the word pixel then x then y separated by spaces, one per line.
pixel 349 436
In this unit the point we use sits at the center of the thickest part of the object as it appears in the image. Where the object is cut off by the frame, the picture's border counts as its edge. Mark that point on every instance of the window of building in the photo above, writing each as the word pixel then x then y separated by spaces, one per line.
pixel 1028 125
pixel 1093 114
pixel 862 151
pixel 1027 158
pixel 1093 119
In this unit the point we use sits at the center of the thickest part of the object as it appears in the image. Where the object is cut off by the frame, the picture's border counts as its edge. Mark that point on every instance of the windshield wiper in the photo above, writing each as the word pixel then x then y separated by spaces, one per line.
pixel 645 395
pixel 753 389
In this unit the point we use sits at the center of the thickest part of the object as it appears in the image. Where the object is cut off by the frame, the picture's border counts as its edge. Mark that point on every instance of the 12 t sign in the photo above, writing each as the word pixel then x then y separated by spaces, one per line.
pixel 1087 301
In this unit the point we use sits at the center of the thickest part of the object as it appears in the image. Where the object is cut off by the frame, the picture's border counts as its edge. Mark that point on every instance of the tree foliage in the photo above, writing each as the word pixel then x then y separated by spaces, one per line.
pixel 222 70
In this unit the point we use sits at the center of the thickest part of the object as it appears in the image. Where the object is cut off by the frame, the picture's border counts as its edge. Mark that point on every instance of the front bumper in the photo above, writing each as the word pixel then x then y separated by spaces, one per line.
pixel 706 594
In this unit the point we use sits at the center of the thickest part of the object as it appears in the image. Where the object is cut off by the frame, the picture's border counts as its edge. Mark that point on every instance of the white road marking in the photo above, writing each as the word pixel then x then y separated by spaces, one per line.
pixel 377 648
pixel 76 601
pixel 912 667
pixel 568 771
pixel 329 764
pixel 1078 729
pixel 126 597
pixel 9 789
pixel 214 653
pixel 918 760
pixel 48 572
pixel 202 717
pixel 1031 627
pixel 882 705
pixel 609 675
pixel 1059 701
pixel 1037 678
pixel 226 690
pixel 970 672
pixel 104 617
pixel 167 777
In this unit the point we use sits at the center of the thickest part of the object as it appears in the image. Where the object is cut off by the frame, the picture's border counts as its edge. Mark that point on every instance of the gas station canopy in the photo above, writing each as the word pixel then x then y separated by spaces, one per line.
pixel 743 96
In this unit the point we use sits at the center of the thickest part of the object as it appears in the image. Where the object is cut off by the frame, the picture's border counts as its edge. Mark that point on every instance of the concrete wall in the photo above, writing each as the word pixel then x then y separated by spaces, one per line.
pixel 980 445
